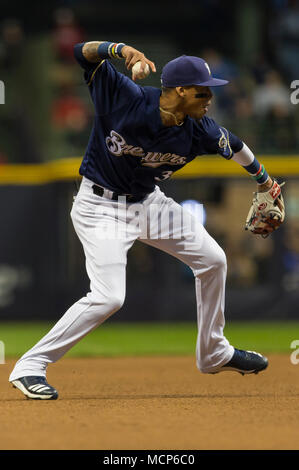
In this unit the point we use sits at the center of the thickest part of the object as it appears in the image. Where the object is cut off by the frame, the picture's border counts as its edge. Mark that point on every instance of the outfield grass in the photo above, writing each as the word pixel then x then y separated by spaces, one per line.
pixel 131 339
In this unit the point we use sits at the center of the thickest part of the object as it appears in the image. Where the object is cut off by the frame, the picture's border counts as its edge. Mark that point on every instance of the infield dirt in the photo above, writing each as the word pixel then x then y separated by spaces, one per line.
pixel 153 403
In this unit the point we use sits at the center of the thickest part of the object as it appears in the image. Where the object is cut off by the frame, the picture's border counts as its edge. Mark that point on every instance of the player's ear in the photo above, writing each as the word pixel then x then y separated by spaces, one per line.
pixel 181 91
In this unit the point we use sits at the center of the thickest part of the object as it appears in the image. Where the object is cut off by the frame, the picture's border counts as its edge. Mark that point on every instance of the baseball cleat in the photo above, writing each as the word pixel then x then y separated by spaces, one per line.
pixel 35 387
pixel 245 362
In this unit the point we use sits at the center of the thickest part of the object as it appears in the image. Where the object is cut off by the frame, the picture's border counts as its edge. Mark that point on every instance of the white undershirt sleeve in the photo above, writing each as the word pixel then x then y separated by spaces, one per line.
pixel 244 157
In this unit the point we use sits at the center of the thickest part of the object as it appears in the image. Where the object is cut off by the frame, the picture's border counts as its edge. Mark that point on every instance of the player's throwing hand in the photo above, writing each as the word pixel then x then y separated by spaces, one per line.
pixel 132 56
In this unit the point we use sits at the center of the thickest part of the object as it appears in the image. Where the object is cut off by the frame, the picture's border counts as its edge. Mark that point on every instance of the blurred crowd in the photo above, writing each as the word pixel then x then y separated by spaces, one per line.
pixel 256 104
pixel 45 107
pixel 49 110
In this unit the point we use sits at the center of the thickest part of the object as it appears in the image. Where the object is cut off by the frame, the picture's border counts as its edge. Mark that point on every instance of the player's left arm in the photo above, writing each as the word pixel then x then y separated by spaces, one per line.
pixel 267 211
pixel 229 146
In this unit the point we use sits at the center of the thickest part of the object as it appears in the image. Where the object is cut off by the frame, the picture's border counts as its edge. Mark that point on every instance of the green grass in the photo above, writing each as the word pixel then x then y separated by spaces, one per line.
pixel 134 339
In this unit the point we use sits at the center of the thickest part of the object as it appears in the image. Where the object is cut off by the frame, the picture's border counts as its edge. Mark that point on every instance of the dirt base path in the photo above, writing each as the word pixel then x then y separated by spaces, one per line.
pixel 154 403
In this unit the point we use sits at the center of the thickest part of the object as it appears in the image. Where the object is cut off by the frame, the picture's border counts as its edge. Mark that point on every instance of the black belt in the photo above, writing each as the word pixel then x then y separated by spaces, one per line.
pixel 99 191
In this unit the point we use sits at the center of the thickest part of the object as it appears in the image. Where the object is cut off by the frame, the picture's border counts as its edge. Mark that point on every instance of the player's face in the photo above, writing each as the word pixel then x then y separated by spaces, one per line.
pixel 197 100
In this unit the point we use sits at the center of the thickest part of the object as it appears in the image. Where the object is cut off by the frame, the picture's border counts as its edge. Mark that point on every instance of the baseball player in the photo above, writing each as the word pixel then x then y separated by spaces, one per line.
pixel 140 136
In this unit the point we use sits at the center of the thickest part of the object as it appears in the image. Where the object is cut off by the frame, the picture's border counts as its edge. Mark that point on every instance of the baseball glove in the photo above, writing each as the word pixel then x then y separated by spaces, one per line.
pixel 267 211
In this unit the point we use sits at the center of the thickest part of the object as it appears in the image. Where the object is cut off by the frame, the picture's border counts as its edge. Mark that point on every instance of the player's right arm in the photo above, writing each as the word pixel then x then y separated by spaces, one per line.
pixel 110 90
pixel 94 51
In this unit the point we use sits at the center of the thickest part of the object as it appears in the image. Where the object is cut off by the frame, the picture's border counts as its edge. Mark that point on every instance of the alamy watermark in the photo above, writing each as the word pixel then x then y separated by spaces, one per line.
pixel 152 221
pixel 294 356
pixel 2 92
pixel 295 94
pixel 2 353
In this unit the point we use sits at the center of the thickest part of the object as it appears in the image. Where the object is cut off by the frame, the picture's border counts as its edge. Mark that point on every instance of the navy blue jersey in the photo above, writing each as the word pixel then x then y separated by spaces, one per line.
pixel 129 148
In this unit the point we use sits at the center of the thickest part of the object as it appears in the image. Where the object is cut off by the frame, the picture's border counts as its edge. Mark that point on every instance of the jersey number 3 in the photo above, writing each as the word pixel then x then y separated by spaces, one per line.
pixel 164 176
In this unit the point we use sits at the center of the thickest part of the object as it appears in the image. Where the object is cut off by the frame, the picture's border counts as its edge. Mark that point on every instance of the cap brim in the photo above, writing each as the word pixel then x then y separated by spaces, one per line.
pixel 213 82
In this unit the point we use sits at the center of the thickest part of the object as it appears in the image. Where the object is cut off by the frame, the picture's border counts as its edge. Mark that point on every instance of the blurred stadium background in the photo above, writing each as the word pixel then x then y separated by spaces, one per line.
pixel 44 128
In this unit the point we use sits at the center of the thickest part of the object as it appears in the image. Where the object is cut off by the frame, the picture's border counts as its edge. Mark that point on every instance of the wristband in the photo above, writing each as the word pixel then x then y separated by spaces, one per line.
pixel 261 176
pixel 110 50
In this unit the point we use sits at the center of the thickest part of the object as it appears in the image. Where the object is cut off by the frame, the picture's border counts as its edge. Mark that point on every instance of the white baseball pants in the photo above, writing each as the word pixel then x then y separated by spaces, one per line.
pixel 107 229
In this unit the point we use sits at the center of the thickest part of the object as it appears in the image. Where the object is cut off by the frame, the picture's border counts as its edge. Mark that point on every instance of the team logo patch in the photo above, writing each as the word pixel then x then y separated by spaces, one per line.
pixel 223 144
pixel 262 206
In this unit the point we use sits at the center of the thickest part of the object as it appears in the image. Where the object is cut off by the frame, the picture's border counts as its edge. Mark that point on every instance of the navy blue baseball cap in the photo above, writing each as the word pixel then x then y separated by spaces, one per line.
pixel 188 70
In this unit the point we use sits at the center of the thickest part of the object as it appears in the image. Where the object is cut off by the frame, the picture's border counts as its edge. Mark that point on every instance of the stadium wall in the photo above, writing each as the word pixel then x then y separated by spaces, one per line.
pixel 42 266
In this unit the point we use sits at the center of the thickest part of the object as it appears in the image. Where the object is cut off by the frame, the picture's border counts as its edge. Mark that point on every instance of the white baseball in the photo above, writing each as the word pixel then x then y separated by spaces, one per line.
pixel 136 70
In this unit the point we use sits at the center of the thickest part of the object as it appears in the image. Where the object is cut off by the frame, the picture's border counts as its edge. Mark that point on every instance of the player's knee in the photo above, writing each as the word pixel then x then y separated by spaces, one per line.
pixel 116 302
pixel 110 303
pixel 214 261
